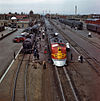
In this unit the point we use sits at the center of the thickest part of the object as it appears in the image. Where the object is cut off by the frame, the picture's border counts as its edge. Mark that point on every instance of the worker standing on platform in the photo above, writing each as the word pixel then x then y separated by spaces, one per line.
pixel 38 56
pixel 71 56
pixel 44 65
pixel 81 59
pixel 35 53
pixel 75 28
pixel 67 47
pixel 89 35
pixel 43 35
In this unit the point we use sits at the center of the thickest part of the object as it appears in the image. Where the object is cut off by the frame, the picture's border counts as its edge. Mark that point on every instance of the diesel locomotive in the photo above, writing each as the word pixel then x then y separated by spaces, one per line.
pixel 58 51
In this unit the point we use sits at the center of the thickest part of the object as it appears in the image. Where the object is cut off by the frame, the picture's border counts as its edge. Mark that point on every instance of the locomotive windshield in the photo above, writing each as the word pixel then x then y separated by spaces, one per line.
pixel 62 45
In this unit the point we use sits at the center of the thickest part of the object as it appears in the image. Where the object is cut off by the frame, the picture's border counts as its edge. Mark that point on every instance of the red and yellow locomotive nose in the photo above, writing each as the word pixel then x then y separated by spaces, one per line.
pixel 59 54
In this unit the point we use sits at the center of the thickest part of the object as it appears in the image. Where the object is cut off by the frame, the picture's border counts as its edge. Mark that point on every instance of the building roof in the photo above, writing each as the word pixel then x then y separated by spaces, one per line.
pixel 21 16
pixel 24 20
pixel 92 19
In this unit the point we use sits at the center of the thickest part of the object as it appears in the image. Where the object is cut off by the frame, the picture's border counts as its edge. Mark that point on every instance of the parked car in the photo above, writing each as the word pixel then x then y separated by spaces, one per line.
pixel 24 34
pixel 19 39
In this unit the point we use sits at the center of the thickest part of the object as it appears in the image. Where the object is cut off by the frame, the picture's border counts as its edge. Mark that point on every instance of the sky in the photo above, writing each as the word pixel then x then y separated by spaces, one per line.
pixel 50 6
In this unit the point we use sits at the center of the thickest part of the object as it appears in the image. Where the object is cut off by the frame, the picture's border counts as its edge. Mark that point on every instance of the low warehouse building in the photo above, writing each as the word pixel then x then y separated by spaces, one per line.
pixel 22 24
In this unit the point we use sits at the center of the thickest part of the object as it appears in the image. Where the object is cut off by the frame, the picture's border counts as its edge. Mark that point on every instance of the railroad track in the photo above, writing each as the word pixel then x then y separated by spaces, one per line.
pixel 91 61
pixel 79 35
pixel 19 90
pixel 66 85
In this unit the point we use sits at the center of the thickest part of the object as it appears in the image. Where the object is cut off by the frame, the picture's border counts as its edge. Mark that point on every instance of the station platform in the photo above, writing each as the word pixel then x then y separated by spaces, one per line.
pixel 7 32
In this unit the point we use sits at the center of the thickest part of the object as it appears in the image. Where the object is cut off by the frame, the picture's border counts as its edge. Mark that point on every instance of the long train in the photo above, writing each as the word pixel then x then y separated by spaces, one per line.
pixel 30 39
pixel 72 23
pixel 93 27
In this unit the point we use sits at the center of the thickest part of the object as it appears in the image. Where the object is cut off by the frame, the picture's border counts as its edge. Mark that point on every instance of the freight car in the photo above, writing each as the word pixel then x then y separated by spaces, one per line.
pixel 58 50
pixel 2 28
pixel 72 23
pixel 93 27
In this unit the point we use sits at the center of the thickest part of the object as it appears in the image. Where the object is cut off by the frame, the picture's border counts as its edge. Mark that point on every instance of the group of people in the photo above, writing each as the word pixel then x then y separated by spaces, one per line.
pixel 36 53
pixel 80 58
pixel 36 46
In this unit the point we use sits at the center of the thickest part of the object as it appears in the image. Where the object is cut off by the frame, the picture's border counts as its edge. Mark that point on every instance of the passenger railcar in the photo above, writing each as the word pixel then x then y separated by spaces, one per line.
pixel 72 23
pixel 93 27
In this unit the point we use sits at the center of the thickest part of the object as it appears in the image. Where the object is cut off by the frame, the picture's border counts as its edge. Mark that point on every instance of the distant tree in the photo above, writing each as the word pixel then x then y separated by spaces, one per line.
pixel 16 13
pixel 22 13
pixel 10 13
pixel 31 13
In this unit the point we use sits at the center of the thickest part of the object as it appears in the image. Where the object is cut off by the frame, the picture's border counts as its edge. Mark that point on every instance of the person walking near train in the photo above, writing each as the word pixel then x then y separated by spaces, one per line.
pixel 81 59
pixel 43 35
pixel 35 53
pixel 89 35
pixel 44 65
pixel 38 56
pixel 71 56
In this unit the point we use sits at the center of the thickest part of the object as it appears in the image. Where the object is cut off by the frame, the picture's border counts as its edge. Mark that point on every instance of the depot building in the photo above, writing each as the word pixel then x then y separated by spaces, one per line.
pixel 22 24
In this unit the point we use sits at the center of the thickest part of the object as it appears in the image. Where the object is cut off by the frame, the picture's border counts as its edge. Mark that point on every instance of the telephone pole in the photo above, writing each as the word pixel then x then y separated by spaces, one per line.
pixel 75 10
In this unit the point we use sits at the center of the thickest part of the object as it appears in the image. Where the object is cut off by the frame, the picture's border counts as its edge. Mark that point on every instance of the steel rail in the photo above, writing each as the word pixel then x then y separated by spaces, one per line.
pixel 70 83
pixel 94 68
pixel 61 89
pixel 15 80
pixel 81 36
pixel 91 42
pixel 83 51
pixel 25 79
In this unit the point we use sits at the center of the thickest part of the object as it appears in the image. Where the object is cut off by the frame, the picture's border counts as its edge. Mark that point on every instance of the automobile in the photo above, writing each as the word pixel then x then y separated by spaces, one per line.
pixel 19 39
pixel 24 34
pixel 13 26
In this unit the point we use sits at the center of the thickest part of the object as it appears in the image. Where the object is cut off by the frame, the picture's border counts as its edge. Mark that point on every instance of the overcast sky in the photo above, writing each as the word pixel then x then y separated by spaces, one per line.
pixel 52 6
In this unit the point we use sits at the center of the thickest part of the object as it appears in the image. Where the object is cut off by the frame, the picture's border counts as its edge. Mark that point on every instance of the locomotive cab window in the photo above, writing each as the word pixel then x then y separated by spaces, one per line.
pixel 62 45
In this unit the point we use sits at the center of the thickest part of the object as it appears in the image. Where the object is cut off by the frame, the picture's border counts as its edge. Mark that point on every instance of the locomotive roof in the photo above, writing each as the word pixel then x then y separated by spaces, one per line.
pixel 28 40
pixel 58 44
pixel 56 40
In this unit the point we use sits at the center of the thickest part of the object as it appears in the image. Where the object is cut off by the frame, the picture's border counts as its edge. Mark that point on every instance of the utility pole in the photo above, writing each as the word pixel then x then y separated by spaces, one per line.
pixel 49 14
pixel 43 12
pixel 75 10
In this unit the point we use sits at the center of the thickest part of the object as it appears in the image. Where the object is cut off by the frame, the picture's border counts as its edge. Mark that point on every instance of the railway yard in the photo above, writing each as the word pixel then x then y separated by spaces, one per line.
pixel 30 77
